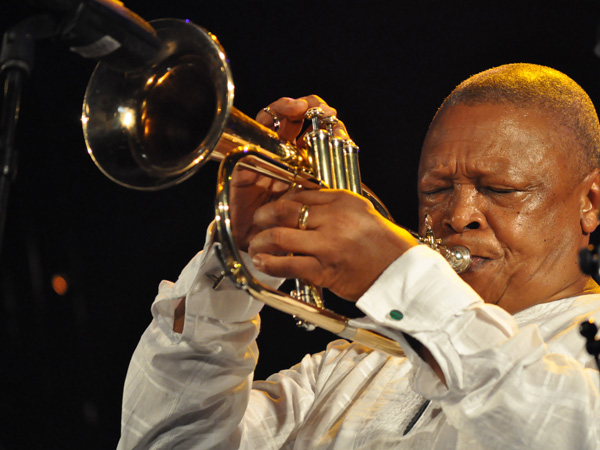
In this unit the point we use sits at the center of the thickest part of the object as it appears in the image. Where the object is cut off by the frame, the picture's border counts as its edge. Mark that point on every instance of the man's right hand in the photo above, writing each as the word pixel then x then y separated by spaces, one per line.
pixel 250 190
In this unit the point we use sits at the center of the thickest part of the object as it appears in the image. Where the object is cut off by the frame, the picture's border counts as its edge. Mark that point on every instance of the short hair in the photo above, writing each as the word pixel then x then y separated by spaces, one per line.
pixel 540 87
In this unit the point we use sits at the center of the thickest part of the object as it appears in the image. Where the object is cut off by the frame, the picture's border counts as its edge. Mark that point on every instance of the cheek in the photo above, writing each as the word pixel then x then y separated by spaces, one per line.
pixel 562 230
pixel 531 236
pixel 515 234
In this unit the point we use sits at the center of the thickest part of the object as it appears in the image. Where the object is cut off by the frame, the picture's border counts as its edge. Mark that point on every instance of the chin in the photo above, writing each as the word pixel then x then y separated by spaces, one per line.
pixel 482 283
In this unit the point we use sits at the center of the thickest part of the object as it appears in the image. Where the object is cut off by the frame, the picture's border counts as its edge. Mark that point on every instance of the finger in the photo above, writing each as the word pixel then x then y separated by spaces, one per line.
pixel 291 108
pixel 304 267
pixel 283 241
pixel 286 115
pixel 322 196
pixel 280 213
pixel 244 177
pixel 314 101
pixel 287 108
pixel 289 211
pixel 289 130
pixel 340 131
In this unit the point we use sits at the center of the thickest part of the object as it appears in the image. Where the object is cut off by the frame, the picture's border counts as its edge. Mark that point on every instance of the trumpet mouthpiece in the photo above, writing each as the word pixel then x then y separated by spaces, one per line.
pixel 459 258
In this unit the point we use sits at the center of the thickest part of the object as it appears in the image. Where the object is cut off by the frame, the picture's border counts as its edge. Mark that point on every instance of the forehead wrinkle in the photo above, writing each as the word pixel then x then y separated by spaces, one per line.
pixel 473 165
pixel 480 149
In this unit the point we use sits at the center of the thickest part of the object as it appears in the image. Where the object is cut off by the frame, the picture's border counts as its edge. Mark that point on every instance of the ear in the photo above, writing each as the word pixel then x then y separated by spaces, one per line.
pixel 590 201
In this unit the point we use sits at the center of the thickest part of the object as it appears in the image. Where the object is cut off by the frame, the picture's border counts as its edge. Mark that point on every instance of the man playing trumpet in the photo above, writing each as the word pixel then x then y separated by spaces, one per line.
pixel 509 169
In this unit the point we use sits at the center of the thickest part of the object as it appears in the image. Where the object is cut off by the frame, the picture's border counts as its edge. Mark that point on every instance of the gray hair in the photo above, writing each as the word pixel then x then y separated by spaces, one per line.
pixel 543 88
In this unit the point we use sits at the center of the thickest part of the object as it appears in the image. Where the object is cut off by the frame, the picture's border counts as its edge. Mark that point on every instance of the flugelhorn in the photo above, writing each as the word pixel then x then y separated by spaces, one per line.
pixel 155 127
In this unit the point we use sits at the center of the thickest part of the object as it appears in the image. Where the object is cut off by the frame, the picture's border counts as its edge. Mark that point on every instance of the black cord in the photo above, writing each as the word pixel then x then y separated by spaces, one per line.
pixel 588 330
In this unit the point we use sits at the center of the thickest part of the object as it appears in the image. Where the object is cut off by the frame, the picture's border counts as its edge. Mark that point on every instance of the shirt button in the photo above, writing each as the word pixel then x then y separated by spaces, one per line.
pixel 396 315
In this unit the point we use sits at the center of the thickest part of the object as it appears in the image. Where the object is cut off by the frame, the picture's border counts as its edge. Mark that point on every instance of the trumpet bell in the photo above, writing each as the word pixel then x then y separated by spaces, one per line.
pixel 155 127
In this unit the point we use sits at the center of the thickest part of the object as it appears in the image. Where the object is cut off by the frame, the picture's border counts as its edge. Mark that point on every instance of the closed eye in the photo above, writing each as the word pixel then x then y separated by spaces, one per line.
pixel 435 190
pixel 500 190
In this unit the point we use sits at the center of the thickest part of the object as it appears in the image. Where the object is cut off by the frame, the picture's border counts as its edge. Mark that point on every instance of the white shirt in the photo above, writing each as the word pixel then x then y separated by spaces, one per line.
pixel 522 381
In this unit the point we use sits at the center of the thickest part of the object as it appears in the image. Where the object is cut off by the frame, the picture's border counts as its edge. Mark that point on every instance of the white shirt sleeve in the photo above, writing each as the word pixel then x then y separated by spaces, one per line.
pixel 194 387
pixel 504 388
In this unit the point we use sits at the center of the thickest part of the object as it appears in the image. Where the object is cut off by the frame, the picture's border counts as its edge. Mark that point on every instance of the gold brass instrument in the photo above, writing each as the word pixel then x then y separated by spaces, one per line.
pixel 154 127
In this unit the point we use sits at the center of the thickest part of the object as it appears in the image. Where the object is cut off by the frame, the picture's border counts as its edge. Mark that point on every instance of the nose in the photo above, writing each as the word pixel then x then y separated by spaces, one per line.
pixel 464 212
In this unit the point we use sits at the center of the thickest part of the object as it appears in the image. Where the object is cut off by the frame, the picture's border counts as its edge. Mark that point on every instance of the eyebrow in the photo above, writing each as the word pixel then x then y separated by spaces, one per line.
pixel 441 169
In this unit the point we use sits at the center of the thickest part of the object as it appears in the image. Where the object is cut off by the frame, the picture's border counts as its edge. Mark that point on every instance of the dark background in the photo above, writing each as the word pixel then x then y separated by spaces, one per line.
pixel 385 65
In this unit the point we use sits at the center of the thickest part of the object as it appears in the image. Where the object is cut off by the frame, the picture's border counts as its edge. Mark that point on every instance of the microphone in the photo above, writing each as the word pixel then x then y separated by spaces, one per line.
pixel 106 31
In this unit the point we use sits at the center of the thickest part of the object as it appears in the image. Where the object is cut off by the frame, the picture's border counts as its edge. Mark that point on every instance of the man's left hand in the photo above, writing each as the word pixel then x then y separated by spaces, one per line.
pixel 346 245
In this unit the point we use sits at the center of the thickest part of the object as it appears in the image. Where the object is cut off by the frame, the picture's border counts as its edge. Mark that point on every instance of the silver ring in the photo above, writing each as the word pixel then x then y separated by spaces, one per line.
pixel 276 122
pixel 303 217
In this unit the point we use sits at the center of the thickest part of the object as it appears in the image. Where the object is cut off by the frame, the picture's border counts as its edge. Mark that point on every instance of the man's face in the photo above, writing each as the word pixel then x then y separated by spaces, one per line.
pixel 494 179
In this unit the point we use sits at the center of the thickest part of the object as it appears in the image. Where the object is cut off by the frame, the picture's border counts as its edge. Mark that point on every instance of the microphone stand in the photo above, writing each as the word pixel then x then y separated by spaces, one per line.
pixel 16 63
pixel 97 29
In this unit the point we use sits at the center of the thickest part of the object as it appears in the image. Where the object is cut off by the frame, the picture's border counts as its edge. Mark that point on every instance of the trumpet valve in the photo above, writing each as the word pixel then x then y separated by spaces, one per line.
pixel 315 115
pixel 330 122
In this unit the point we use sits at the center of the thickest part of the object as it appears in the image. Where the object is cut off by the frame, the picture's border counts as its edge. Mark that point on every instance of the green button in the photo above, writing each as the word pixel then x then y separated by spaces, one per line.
pixel 396 315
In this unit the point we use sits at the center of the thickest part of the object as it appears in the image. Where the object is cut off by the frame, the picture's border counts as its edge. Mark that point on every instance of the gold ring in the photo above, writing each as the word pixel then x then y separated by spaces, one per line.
pixel 276 122
pixel 303 217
